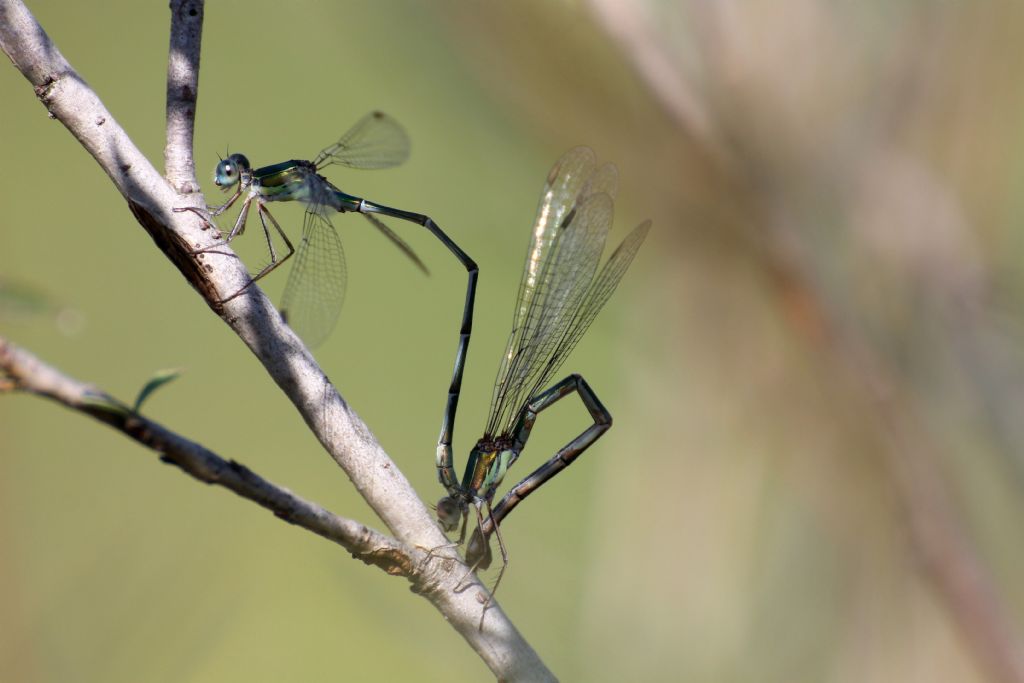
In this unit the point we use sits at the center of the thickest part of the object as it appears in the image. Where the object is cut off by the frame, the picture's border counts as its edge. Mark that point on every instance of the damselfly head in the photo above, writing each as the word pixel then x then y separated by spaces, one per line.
pixel 449 512
pixel 229 171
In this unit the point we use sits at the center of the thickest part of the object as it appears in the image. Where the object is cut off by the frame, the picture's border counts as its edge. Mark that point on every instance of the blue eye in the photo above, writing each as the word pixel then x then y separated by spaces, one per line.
pixel 228 170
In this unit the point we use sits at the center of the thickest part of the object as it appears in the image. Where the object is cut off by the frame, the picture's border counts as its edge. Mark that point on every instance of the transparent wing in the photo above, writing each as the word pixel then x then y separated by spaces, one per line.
pixel 564 184
pixel 562 188
pixel 570 271
pixel 316 285
pixel 376 141
pixel 599 292
pixel 562 284
pixel 561 291
pixel 574 177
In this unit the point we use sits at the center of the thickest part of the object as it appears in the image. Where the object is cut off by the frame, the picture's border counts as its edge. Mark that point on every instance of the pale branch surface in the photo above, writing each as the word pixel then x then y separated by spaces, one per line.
pixel 152 200
pixel 182 91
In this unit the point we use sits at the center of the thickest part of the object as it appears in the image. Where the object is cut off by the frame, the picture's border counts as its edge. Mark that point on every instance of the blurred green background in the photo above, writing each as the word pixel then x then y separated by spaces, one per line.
pixel 815 356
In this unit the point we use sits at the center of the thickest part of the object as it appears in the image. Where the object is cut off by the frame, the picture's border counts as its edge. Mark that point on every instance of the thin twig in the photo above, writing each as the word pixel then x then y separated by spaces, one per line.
pixel 938 537
pixel 25 372
pixel 947 554
pixel 182 91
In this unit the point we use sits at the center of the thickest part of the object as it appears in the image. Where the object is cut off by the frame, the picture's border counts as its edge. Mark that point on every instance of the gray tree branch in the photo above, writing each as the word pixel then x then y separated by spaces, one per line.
pixel 182 91
pixel 152 199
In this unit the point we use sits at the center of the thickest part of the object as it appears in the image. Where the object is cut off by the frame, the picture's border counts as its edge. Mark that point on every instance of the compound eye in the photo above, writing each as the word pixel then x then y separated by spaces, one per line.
pixel 226 173
pixel 448 513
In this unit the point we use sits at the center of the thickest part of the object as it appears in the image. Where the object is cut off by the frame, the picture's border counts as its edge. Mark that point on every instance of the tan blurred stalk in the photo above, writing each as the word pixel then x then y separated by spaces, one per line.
pixel 824 426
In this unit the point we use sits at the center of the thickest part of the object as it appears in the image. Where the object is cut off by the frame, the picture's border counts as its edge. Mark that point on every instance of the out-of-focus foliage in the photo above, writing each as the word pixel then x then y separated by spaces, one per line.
pixel 825 320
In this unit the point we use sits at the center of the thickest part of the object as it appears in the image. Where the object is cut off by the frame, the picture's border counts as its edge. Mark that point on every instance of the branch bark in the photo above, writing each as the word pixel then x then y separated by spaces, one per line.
pixel 152 199
pixel 182 91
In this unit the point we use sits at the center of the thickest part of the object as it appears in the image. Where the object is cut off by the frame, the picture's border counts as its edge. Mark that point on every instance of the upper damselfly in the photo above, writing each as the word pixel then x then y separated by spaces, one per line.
pixel 315 290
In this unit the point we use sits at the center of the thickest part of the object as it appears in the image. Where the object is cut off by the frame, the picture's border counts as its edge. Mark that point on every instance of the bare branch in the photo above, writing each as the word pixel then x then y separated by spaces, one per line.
pixel 632 27
pixel 182 90
pixel 252 316
pixel 70 100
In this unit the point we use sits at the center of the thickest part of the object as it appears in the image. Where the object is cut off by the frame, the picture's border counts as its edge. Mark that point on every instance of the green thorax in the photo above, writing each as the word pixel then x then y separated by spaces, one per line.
pixel 488 463
pixel 286 181
pixel 298 180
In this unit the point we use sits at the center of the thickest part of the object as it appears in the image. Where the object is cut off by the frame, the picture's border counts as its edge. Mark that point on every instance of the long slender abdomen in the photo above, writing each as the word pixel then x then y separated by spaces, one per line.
pixel 339 201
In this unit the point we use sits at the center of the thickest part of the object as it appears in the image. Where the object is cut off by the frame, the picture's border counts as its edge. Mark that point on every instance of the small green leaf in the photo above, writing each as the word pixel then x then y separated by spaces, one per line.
pixel 105 403
pixel 161 378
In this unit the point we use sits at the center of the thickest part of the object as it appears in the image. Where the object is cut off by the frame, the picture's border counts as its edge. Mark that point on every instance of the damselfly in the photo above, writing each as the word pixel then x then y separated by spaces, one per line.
pixel 560 294
pixel 316 285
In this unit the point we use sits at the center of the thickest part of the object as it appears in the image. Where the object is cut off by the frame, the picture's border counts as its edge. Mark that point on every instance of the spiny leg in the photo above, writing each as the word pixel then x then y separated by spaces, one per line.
pixel 216 211
pixel 483 562
pixel 212 212
pixel 504 562
pixel 237 229
pixel 501 547
pixel 434 552
pixel 264 214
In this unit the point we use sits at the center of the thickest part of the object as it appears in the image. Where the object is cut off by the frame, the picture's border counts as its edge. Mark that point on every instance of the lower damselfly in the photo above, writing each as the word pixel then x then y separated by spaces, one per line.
pixel 560 294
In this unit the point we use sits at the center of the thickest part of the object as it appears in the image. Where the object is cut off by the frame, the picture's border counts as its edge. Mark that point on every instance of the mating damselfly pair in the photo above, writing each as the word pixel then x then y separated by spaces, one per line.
pixel 560 294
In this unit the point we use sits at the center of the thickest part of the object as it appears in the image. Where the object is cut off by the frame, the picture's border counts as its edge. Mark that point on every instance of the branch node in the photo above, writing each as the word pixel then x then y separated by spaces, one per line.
pixel 391 560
